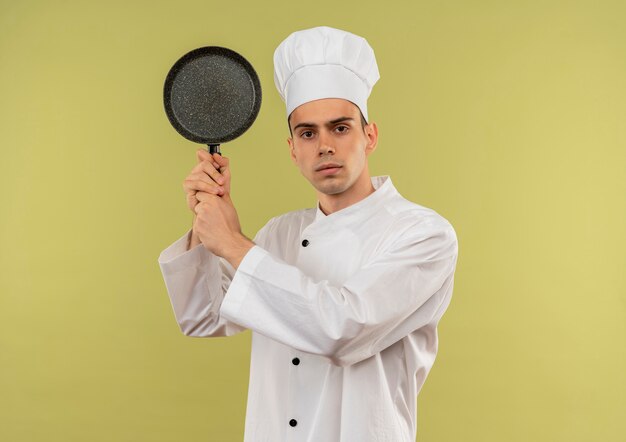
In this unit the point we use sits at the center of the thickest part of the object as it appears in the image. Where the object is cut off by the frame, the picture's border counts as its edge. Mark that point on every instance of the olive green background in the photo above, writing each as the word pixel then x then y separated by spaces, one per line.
pixel 508 118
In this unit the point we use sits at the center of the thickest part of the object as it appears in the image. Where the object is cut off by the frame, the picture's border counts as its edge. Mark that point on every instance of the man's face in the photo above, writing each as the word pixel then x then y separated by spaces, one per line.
pixel 329 146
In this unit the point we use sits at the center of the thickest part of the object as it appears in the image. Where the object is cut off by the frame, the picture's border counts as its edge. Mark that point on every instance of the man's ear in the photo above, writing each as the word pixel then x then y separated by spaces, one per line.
pixel 292 151
pixel 371 132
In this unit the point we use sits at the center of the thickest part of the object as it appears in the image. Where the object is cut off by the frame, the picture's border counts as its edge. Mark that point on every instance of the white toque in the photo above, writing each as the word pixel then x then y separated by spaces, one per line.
pixel 324 62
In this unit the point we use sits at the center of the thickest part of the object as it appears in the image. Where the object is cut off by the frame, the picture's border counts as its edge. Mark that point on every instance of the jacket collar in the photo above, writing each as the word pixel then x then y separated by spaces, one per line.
pixel 383 189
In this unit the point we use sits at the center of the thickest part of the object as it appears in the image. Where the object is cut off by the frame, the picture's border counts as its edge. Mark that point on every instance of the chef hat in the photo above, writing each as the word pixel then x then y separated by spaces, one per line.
pixel 324 62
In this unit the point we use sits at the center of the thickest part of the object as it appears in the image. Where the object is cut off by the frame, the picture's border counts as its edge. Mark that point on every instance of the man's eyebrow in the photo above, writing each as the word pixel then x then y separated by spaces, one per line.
pixel 340 119
pixel 335 121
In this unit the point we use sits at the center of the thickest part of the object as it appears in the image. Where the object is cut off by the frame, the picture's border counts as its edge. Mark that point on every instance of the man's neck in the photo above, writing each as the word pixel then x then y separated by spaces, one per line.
pixel 333 203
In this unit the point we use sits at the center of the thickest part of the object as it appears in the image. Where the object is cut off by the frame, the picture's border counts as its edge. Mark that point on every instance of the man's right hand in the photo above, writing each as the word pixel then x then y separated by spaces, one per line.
pixel 210 175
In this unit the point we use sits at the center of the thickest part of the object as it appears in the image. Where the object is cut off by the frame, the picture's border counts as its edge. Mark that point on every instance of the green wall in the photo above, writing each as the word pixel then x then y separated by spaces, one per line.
pixel 508 118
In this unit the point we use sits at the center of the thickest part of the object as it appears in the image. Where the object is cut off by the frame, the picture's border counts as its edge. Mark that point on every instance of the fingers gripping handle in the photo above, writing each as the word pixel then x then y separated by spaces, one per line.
pixel 214 148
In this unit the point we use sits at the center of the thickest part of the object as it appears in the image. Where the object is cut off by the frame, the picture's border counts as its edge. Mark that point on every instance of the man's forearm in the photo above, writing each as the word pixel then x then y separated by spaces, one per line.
pixel 237 249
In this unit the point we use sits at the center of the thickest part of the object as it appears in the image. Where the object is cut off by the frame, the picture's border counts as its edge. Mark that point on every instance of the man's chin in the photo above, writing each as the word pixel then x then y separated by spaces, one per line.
pixel 330 187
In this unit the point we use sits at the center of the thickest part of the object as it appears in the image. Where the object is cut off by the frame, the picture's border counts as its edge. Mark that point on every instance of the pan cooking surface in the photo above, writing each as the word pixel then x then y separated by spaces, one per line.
pixel 212 95
pixel 212 106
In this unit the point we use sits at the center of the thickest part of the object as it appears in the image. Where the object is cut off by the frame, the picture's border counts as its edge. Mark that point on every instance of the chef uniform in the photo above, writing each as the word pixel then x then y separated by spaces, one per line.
pixel 343 308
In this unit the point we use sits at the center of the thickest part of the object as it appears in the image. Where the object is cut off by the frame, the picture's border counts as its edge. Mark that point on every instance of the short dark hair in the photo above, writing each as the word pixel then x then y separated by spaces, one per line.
pixel 363 122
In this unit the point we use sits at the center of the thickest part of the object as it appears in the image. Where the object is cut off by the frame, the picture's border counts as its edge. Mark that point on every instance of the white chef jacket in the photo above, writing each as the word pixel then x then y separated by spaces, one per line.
pixel 343 311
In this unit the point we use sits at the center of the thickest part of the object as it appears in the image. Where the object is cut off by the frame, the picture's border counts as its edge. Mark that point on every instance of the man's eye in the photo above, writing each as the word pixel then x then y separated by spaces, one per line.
pixel 306 134
pixel 342 127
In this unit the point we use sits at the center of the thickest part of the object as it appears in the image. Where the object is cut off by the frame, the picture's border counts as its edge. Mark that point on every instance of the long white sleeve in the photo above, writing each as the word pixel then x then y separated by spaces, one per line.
pixel 196 281
pixel 402 289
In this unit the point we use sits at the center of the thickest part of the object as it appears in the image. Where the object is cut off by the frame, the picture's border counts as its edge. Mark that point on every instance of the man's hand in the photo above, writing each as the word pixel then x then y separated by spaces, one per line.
pixel 217 226
pixel 210 175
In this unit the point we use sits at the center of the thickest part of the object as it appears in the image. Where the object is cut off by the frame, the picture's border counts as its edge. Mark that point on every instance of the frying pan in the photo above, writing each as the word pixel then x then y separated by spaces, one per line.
pixel 212 95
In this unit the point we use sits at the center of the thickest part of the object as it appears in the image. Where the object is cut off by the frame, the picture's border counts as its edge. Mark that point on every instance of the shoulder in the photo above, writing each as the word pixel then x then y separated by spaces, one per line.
pixel 408 212
pixel 401 211
pixel 413 222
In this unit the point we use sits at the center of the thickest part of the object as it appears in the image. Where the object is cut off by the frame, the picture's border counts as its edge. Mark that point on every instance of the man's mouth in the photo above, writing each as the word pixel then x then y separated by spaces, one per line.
pixel 328 166
pixel 328 169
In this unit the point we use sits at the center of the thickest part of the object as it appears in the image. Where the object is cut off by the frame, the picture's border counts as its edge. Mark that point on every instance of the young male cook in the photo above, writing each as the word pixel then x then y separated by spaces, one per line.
pixel 343 299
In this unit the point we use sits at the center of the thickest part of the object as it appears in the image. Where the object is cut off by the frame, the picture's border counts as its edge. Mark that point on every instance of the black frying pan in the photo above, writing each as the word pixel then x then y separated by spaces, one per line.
pixel 212 95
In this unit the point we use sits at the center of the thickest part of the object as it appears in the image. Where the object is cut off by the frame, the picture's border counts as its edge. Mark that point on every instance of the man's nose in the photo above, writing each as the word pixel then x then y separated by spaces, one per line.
pixel 326 145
